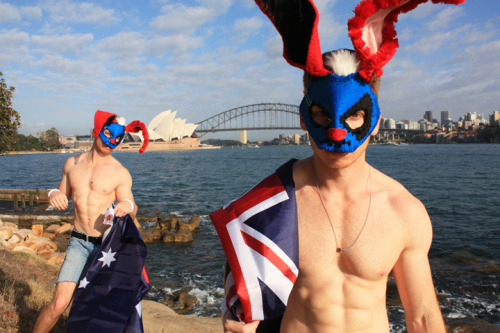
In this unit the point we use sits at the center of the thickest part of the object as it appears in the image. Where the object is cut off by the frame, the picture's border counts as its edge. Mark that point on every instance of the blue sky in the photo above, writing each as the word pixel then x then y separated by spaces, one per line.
pixel 67 59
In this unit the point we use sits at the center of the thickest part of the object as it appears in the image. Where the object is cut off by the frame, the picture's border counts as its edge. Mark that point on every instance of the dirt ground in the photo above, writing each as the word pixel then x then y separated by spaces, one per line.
pixel 26 285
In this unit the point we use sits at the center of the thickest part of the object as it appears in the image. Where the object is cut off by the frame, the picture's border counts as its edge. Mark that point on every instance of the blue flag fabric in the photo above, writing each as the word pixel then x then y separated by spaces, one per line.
pixel 108 296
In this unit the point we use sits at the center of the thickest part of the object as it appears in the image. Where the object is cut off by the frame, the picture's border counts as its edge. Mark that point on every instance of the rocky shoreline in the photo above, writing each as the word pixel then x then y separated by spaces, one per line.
pixel 47 238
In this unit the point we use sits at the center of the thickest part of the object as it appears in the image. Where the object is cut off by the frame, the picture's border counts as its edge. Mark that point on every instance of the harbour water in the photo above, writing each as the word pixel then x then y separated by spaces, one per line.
pixel 459 185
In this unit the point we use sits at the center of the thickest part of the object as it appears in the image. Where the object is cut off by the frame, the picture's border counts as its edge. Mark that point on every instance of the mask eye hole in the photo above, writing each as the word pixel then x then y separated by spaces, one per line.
pixel 119 138
pixel 356 120
pixel 107 133
pixel 320 116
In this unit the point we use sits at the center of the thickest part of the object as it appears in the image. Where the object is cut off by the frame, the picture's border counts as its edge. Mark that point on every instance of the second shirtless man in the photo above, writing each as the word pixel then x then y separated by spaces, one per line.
pixel 94 180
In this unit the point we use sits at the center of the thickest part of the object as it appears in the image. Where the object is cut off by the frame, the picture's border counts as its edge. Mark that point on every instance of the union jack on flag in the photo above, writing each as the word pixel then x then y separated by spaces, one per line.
pixel 259 235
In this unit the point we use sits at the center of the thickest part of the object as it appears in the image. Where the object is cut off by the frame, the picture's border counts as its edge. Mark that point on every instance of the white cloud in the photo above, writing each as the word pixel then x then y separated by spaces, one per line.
pixel 81 12
pixel 443 18
pixel 8 13
pixel 67 44
pixel 122 45
pixel 177 44
pixel 247 26
pixel 31 12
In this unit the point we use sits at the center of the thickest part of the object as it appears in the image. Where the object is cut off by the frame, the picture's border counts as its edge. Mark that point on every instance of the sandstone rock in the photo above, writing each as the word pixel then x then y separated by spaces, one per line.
pixel 158 318
pixel 53 228
pixel 37 229
pixel 24 249
pixel 15 239
pixel 49 235
pixel 183 236
pixel 470 325
pixel 40 243
pixel 169 224
pixel 6 233
pixel 23 233
pixel 10 225
pixel 191 225
pixel 1 223
pixel 4 244
pixel 65 228
pixel 57 258
pixel 137 225
pixel 184 303
pixel 45 253
pixel 167 236
pixel 151 235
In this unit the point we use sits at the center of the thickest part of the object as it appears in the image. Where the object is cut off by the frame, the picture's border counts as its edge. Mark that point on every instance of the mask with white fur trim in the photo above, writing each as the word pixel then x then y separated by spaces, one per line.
pixel 334 92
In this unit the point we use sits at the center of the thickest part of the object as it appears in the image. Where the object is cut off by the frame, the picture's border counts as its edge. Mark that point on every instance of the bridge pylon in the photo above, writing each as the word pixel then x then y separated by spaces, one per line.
pixel 243 136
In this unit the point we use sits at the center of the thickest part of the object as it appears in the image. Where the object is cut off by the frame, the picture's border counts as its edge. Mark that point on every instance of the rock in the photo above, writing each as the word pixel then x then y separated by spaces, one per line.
pixel 1 223
pixel 167 236
pixel 183 236
pixel 57 258
pixel 65 228
pixel 169 224
pixel 24 249
pixel 23 233
pixel 15 239
pixel 10 225
pixel 158 318
pixel 192 225
pixel 152 235
pixel 40 243
pixel 4 244
pixel 6 233
pixel 49 235
pixel 37 229
pixel 52 228
pixel 61 241
pixel 184 303
pixel 470 325
pixel 137 225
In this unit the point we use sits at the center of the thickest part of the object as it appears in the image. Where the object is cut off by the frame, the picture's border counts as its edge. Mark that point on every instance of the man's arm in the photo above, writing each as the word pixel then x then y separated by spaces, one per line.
pixel 59 199
pixel 126 204
pixel 413 274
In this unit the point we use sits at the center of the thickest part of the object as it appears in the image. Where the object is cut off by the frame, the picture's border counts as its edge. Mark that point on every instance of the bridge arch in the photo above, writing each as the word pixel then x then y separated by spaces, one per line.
pixel 263 116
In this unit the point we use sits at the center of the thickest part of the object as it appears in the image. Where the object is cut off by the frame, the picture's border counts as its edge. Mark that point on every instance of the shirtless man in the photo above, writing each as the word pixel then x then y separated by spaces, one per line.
pixel 355 227
pixel 94 180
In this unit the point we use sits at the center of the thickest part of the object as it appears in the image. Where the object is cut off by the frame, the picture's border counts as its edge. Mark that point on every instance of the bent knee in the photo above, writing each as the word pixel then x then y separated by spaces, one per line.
pixel 58 306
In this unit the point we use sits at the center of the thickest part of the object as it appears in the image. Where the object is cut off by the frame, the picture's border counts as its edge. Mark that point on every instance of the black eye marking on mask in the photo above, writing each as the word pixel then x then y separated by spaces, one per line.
pixel 364 103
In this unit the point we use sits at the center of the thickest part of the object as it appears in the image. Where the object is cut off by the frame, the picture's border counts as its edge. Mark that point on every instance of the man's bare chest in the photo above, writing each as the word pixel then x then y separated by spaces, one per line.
pixel 369 250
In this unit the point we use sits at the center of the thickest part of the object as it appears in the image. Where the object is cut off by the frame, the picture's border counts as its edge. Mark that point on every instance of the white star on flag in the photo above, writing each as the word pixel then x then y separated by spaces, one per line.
pixel 107 258
pixel 83 283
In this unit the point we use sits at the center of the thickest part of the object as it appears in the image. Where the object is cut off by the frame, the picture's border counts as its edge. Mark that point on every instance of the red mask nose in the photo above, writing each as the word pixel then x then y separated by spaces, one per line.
pixel 112 140
pixel 336 134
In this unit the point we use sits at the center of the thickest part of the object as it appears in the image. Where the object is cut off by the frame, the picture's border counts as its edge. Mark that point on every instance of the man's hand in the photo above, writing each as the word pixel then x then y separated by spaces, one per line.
pixel 123 208
pixel 233 326
pixel 58 200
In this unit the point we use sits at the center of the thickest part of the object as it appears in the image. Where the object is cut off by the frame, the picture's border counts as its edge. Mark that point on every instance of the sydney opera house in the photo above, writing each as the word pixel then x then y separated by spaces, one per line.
pixel 166 132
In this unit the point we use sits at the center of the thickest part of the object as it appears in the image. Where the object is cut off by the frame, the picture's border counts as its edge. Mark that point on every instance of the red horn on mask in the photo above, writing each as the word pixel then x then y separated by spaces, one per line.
pixel 135 127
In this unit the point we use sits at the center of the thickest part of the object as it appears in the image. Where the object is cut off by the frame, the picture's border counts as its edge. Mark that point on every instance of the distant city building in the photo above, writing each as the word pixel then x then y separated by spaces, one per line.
pixel 428 116
pixel 495 118
pixel 390 123
pixel 445 115
pixel 296 139
pixel 401 125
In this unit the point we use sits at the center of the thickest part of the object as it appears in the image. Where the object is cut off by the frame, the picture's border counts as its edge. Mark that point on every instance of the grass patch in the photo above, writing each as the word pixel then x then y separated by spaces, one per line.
pixel 26 286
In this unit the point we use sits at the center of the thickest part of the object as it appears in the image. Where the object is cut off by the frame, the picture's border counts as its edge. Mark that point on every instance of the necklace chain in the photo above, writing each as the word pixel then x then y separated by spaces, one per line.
pixel 338 248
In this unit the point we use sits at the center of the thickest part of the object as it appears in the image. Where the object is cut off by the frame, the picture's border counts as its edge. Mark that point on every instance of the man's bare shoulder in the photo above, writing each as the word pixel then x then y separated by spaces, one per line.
pixel 73 161
pixel 119 170
pixel 405 208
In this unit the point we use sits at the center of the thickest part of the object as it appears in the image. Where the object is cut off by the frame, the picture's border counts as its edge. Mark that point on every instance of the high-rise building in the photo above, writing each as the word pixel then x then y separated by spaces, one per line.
pixel 445 115
pixel 428 116
pixel 495 118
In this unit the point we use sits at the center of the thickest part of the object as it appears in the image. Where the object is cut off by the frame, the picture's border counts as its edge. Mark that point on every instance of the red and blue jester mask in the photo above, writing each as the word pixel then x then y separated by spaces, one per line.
pixel 350 112
pixel 114 134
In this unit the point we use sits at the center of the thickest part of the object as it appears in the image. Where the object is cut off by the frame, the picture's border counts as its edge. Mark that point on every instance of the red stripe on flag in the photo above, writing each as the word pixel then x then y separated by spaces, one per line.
pixel 145 274
pixel 270 255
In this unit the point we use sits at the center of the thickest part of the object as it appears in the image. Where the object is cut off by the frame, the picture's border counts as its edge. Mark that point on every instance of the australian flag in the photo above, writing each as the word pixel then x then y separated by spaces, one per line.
pixel 108 297
pixel 259 235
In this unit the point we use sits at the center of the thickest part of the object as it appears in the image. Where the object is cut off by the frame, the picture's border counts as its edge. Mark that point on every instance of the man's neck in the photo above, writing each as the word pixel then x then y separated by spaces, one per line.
pixel 346 179
pixel 96 156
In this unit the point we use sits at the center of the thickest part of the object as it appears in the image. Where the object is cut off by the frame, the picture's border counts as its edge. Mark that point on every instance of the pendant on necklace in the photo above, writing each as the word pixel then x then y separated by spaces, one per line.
pixel 339 250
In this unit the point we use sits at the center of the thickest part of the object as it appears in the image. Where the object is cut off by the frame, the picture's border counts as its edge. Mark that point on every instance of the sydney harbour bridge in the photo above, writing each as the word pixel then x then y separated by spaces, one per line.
pixel 263 116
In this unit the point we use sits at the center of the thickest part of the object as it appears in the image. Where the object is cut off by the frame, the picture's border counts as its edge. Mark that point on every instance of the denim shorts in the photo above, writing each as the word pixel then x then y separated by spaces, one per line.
pixel 78 255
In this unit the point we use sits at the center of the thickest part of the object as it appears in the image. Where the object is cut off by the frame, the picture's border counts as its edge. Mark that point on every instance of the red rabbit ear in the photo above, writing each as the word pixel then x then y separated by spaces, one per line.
pixel 297 23
pixel 373 33
pixel 135 127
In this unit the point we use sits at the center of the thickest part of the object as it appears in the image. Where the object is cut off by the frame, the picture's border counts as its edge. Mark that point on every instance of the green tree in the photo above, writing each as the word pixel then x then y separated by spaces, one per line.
pixel 9 118
pixel 51 139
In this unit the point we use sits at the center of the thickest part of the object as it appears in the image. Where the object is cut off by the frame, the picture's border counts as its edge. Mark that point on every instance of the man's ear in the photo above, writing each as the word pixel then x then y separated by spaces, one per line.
pixel 375 130
pixel 303 123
